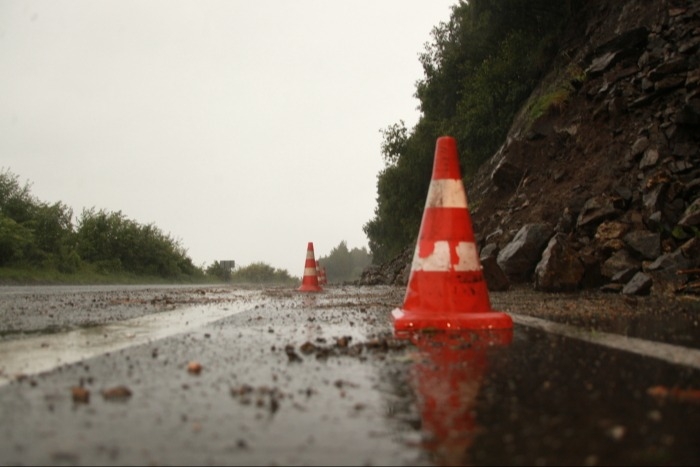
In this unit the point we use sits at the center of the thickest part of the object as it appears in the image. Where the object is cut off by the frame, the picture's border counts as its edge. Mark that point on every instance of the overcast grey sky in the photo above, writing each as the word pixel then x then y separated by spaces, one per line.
pixel 242 129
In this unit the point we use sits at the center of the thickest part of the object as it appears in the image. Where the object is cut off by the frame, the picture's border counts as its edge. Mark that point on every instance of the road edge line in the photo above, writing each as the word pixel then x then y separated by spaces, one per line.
pixel 674 354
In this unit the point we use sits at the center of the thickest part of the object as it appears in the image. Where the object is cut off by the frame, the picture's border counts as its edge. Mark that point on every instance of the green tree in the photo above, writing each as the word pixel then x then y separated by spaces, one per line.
pixel 32 232
pixel 343 264
pixel 40 235
pixel 478 70
pixel 261 273
pixel 401 190
pixel 15 241
pixel 16 200
pixel 360 259
pixel 54 237
pixel 217 270
pixel 115 243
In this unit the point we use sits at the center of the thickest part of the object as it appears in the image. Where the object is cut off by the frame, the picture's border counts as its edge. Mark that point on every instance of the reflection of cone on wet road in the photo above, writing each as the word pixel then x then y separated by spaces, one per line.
pixel 446 288
pixel 309 282
pixel 447 379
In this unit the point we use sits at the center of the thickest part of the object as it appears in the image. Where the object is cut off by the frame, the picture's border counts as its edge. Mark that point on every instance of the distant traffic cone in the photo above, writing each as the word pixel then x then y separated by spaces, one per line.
pixel 446 288
pixel 321 271
pixel 318 273
pixel 309 282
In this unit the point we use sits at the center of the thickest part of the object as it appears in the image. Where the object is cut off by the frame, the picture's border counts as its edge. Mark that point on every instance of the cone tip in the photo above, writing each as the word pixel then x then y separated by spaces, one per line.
pixel 446 163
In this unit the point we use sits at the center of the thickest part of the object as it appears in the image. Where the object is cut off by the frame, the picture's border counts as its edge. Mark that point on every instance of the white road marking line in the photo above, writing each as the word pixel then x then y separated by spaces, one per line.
pixel 674 354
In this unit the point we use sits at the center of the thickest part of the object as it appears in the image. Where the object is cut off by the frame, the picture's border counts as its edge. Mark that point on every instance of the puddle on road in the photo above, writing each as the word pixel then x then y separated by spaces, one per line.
pixel 35 355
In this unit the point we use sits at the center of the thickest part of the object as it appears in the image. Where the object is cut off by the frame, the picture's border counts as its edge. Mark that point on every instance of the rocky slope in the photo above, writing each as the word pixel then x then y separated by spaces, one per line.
pixel 603 190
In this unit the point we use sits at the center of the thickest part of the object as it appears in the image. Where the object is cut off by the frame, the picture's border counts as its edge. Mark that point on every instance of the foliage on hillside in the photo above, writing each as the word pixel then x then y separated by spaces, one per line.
pixel 478 70
pixel 343 264
pixel 255 273
pixel 40 242
pixel 35 235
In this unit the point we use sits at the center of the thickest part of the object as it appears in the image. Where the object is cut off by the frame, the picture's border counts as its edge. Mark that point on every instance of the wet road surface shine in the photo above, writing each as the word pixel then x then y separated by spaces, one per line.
pixel 313 380
pixel 33 355
pixel 674 354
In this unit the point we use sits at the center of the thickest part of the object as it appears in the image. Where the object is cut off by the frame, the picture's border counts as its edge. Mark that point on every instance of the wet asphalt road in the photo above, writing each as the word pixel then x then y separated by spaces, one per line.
pixel 293 378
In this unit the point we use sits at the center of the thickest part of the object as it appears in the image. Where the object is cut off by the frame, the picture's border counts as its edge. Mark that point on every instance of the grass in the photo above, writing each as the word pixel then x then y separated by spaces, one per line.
pixel 555 100
pixel 555 94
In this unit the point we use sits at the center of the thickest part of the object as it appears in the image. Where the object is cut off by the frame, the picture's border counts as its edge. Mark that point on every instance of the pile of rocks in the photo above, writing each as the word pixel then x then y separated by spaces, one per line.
pixel 641 230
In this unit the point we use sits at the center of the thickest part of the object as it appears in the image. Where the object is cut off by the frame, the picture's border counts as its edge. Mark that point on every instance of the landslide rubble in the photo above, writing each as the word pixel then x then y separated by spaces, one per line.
pixel 601 192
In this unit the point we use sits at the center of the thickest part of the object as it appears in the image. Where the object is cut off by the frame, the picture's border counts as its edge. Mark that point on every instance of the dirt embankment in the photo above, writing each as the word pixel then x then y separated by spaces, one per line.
pixel 613 164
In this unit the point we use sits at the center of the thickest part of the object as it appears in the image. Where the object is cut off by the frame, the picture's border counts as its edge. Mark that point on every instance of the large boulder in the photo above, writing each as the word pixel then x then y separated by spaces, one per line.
pixel 519 257
pixel 559 269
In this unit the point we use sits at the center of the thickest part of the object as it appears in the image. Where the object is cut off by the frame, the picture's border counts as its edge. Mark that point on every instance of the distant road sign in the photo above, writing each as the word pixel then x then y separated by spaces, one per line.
pixel 228 264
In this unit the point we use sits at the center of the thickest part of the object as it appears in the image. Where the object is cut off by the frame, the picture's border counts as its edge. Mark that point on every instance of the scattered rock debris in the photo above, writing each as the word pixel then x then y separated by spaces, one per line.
pixel 261 397
pixel 291 354
pixel 80 395
pixel 116 393
pixel 194 368
pixel 342 347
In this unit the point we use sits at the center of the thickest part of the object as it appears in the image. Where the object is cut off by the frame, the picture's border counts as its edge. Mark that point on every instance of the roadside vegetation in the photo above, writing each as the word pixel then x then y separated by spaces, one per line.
pixel 478 70
pixel 255 273
pixel 342 265
pixel 40 243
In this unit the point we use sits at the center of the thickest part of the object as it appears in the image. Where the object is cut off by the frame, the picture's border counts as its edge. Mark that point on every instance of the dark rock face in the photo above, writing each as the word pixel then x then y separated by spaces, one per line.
pixel 615 170
pixel 520 256
pixel 559 269
pixel 495 278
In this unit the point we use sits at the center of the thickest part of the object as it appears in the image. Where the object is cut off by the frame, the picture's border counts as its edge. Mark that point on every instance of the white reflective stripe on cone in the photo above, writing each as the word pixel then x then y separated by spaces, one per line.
pixel 468 257
pixel 446 193
pixel 439 259
pixel 309 272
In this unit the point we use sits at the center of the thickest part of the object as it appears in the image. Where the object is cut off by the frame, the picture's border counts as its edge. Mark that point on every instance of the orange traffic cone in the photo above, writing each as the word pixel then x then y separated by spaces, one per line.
pixel 446 288
pixel 324 278
pixel 318 273
pixel 309 282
